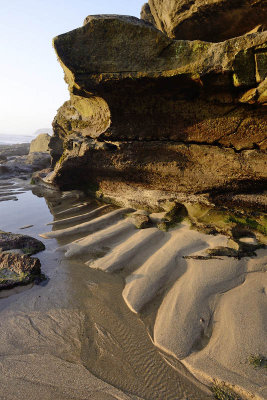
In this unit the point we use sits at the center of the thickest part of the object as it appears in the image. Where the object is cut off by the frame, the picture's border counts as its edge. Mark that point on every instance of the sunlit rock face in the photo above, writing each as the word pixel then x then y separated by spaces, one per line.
pixel 210 20
pixel 152 113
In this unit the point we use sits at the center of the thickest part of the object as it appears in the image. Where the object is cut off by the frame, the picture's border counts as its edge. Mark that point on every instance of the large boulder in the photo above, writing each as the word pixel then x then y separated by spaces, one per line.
pixel 210 20
pixel 40 143
pixel 149 112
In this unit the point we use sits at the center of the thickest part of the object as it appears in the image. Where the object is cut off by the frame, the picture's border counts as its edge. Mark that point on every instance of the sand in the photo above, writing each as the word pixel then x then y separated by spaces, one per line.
pixel 199 310
pixel 74 337
pixel 126 310
pixel 88 227
pixel 79 218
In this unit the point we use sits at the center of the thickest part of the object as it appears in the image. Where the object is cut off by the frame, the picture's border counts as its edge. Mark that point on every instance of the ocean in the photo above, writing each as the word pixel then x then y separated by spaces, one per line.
pixel 14 139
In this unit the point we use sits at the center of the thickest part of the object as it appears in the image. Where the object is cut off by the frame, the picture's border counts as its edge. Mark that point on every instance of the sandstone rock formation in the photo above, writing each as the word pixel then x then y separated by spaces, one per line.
pixel 40 143
pixel 146 14
pixel 211 20
pixel 148 112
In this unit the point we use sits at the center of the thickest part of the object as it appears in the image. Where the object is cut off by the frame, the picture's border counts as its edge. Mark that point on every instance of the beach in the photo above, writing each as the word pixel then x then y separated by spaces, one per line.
pixel 133 224
pixel 77 321
pixel 124 309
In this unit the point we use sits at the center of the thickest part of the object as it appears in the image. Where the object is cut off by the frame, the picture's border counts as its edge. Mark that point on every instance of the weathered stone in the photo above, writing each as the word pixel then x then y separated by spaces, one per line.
pixel 244 68
pixel 166 166
pixel 10 150
pixel 146 15
pixel 262 92
pixel 261 65
pixel 28 244
pixel 140 220
pixel 17 269
pixel 211 20
pixel 24 165
pixel 158 114
pixel 2 158
pixel 40 143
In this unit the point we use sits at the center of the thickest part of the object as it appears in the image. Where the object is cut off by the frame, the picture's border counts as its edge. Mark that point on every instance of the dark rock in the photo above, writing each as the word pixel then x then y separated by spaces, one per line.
pixel 9 150
pixel 17 269
pixel 248 251
pixel 3 158
pixel 28 244
pixel 22 165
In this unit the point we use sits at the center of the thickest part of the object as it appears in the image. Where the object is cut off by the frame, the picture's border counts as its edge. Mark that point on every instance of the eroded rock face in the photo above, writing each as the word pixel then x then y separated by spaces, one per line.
pixel 40 143
pixel 211 20
pixel 153 113
pixel 146 14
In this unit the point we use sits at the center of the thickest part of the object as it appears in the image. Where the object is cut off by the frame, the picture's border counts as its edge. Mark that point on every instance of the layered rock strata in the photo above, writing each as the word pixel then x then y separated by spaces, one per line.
pixel 150 113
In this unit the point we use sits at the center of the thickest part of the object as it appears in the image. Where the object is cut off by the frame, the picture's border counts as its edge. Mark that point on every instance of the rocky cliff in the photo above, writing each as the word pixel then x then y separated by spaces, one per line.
pixel 151 114
pixel 210 20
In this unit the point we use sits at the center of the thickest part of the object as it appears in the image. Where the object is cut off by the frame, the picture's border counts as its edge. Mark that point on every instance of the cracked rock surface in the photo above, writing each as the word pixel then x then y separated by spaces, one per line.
pixel 149 112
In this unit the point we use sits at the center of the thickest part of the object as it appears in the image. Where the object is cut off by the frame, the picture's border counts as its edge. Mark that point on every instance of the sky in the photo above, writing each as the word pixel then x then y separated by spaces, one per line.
pixel 31 79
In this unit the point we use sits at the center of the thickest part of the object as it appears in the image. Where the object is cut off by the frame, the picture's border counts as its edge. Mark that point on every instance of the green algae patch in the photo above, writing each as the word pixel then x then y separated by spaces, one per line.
pixel 176 213
pixel 258 361
pixel 12 278
pixel 222 392
pixel 234 223
pixel 250 223
pixel 16 269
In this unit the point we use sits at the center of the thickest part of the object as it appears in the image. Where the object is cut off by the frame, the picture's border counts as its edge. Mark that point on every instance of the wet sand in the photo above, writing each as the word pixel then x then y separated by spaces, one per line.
pixel 75 337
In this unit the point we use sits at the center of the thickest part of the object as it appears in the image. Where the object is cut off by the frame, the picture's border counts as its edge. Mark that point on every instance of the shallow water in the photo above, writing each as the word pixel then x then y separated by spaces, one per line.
pixel 56 339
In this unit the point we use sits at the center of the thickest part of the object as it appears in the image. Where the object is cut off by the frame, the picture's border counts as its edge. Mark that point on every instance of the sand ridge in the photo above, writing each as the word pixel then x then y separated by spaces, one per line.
pixel 193 288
